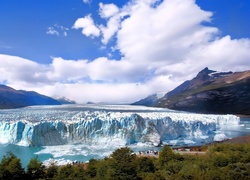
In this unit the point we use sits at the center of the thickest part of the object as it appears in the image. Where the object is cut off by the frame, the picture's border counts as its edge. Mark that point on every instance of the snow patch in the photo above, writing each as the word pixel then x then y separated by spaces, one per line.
pixel 220 137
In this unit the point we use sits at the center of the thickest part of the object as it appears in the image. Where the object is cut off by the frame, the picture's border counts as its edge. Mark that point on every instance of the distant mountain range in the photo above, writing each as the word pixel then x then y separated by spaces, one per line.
pixel 11 98
pixel 151 100
pixel 210 92
pixel 64 100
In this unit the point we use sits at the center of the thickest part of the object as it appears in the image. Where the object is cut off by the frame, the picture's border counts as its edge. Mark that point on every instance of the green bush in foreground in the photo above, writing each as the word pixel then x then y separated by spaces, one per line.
pixel 222 161
pixel 11 168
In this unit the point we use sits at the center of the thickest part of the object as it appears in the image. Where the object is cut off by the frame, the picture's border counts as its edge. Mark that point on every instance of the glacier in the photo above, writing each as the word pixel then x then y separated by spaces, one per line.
pixel 82 124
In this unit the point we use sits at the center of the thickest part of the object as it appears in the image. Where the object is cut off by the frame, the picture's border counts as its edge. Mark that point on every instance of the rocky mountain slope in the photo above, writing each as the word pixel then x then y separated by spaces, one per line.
pixel 150 100
pixel 211 92
pixel 11 98
pixel 64 100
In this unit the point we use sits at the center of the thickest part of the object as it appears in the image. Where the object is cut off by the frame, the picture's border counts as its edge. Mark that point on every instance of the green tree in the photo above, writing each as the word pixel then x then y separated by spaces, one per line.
pixel 92 168
pixel 11 168
pixel 145 164
pixel 35 169
pixel 123 154
pixel 239 171
pixel 71 172
pixel 104 168
pixel 65 172
pixel 165 156
pixel 123 165
pixel 51 171
pixel 220 160
pixel 154 176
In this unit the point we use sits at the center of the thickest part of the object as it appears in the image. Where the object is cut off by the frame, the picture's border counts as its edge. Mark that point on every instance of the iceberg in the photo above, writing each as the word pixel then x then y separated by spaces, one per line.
pixel 74 124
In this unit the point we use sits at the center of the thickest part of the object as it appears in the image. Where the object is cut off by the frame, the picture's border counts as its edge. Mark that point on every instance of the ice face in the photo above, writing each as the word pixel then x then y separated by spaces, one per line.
pixel 104 125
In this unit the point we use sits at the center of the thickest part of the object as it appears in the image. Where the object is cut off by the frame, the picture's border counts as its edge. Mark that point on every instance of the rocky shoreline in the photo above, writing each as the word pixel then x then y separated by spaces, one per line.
pixel 237 140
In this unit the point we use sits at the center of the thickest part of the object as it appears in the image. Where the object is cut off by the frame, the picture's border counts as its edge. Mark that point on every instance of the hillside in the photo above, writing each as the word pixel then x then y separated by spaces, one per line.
pixel 150 100
pixel 11 98
pixel 64 100
pixel 211 92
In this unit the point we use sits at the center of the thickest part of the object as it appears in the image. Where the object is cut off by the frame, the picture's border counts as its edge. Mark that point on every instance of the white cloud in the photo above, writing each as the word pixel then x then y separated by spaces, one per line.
pixel 20 70
pixel 162 44
pixel 225 54
pixel 109 31
pixel 87 1
pixel 55 79
pixel 87 25
pixel 52 31
pixel 163 39
pixel 57 30
pixel 108 10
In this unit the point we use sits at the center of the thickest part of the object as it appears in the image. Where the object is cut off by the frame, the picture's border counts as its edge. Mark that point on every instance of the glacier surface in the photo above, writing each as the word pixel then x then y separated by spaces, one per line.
pixel 79 124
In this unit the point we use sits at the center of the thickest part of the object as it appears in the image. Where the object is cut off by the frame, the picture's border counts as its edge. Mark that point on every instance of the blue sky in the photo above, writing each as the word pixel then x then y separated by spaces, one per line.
pixel 118 51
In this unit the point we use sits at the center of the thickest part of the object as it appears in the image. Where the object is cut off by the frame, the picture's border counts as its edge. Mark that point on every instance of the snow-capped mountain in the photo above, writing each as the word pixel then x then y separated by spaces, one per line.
pixel 150 100
pixel 64 100
pixel 211 92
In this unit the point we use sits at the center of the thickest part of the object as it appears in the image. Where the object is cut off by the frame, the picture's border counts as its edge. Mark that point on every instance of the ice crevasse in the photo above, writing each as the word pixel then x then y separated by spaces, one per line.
pixel 102 126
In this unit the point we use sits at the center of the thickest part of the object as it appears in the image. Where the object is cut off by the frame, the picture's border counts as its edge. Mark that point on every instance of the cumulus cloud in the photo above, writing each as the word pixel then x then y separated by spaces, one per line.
pixel 82 80
pixel 52 31
pixel 108 10
pixel 57 30
pixel 162 44
pixel 87 25
pixel 87 1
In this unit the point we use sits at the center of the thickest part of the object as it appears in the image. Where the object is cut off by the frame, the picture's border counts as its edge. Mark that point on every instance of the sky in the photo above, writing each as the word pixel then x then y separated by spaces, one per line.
pixel 118 51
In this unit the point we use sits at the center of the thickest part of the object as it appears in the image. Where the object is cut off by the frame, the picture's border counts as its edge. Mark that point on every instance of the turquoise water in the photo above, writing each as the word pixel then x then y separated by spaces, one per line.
pixel 65 153
pixel 24 153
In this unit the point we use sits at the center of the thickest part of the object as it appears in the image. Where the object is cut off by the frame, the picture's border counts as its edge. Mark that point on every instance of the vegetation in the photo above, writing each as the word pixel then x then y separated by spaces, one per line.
pixel 222 161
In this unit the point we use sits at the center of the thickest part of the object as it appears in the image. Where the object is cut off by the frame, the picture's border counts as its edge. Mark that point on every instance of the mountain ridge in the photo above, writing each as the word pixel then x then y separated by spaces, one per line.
pixel 64 100
pixel 11 98
pixel 211 92
pixel 150 100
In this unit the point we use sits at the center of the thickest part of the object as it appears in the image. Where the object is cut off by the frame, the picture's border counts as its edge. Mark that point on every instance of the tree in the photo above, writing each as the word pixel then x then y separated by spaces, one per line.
pixel 154 176
pixel 51 171
pixel 68 172
pixel 123 164
pixel 165 156
pixel 145 164
pixel 11 168
pixel 92 168
pixel 35 169
pixel 123 154
pixel 239 171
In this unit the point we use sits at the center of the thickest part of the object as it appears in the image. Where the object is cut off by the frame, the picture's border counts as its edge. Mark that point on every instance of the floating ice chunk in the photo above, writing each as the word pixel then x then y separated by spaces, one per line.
pixel 57 162
pixel 220 137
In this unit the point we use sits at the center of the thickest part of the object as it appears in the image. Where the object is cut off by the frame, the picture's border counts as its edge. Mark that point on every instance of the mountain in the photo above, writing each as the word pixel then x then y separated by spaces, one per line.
pixel 11 98
pixel 150 100
pixel 211 92
pixel 64 100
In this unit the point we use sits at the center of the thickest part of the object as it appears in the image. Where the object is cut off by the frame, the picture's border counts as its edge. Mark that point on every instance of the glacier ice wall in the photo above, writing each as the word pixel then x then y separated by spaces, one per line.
pixel 88 127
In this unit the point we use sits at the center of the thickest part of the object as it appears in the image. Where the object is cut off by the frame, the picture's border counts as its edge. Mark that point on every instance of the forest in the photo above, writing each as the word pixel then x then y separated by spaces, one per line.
pixel 221 161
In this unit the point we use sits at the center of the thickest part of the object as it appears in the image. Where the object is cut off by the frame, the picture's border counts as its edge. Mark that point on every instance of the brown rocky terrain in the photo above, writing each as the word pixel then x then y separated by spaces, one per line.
pixel 211 92
pixel 238 140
